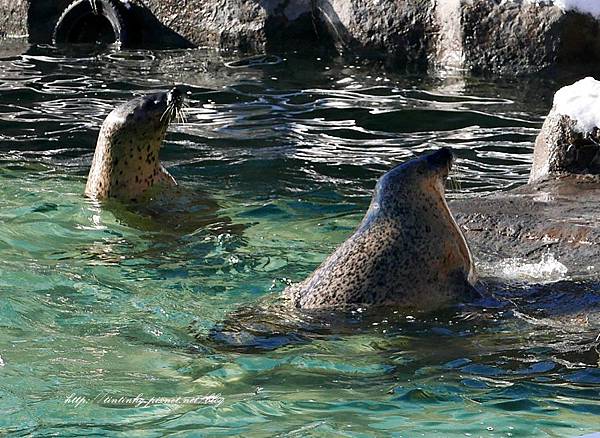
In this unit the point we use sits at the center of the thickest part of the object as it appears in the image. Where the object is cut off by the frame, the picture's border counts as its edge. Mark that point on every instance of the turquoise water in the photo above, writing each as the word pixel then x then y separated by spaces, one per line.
pixel 98 303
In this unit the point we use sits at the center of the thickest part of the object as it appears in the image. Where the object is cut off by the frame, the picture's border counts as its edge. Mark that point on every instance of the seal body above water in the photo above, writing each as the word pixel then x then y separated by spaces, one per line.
pixel 126 162
pixel 407 252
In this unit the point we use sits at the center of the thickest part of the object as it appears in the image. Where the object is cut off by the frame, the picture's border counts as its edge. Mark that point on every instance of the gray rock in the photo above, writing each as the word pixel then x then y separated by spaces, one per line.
pixel 558 215
pixel 400 32
pixel 247 26
pixel 515 38
pixel 557 211
pixel 560 148
pixel 13 19
pixel 481 36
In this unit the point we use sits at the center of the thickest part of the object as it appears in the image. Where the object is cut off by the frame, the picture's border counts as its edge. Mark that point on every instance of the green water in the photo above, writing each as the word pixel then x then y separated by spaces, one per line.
pixel 98 304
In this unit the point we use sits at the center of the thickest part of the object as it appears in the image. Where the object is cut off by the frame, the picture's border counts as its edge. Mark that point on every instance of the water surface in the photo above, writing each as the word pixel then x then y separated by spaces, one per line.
pixel 98 303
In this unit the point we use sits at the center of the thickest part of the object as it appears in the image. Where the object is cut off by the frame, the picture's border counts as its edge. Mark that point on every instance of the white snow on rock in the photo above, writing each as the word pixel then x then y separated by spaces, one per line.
pixel 584 6
pixel 581 102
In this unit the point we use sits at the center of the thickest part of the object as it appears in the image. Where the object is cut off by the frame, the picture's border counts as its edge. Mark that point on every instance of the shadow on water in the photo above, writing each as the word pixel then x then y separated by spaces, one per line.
pixel 561 319
pixel 174 212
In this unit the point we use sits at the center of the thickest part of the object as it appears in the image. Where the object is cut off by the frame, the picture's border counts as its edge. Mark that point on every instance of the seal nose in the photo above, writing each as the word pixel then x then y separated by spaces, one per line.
pixel 175 95
pixel 442 157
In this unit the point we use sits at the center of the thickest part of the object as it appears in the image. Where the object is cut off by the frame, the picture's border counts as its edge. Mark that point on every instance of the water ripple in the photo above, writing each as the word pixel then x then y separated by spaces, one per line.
pixel 99 301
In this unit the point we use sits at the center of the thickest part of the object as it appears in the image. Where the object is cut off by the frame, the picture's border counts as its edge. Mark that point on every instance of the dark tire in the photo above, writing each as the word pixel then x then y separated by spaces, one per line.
pixel 79 23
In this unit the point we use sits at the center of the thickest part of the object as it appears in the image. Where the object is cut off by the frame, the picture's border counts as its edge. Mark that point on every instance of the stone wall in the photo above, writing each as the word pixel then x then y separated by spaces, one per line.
pixel 247 26
pixel 13 19
pixel 481 36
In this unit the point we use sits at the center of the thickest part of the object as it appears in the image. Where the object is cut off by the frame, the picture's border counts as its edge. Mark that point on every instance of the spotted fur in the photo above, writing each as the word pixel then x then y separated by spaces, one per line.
pixel 126 162
pixel 408 250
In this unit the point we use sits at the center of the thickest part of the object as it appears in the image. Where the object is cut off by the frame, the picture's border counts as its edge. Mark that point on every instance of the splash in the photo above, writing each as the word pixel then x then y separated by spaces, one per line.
pixel 548 269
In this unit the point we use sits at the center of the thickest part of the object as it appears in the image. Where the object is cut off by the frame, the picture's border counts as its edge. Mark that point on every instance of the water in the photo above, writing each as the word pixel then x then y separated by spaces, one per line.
pixel 98 304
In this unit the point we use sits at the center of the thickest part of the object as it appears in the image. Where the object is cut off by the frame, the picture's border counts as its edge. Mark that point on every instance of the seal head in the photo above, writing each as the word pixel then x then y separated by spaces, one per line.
pixel 126 163
pixel 407 252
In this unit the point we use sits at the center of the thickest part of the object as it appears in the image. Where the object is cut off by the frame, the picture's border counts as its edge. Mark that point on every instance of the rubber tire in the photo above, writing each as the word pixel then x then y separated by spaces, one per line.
pixel 81 9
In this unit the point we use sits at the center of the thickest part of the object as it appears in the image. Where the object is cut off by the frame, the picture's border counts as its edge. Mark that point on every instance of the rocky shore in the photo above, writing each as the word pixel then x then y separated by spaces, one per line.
pixel 557 211
pixel 480 36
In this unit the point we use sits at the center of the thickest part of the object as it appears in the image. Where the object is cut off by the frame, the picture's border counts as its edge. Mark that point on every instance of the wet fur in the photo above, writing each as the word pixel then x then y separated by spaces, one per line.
pixel 126 162
pixel 408 250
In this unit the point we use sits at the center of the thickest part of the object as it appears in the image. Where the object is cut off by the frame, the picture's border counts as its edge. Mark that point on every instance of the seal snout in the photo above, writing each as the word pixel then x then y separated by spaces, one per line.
pixel 175 97
pixel 441 158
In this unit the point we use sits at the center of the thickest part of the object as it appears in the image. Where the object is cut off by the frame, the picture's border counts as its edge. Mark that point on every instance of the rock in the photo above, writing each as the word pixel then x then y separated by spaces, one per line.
pixel 400 32
pixel 238 25
pixel 518 38
pixel 13 19
pixel 569 141
pixel 558 215
pixel 559 148
pixel 558 210
pixel 509 36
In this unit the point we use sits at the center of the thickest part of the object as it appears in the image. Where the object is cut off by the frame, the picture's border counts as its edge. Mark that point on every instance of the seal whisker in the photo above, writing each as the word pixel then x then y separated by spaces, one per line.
pixel 181 115
pixel 182 109
pixel 166 113
pixel 455 184
pixel 172 112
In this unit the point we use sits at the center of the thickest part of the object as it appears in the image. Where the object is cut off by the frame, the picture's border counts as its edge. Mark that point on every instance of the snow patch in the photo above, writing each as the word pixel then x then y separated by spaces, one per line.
pixel 591 7
pixel 581 102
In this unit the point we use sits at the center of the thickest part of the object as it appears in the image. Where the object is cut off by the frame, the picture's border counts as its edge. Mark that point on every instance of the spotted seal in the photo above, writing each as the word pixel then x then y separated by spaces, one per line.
pixel 126 163
pixel 407 252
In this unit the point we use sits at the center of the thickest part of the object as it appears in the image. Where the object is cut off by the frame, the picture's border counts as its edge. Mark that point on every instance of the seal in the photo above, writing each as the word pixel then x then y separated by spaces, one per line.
pixel 126 163
pixel 407 251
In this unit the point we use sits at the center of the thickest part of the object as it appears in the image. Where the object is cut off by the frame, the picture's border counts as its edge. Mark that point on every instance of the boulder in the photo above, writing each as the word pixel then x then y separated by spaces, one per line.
pixel 247 26
pixel 13 19
pixel 399 32
pixel 569 141
pixel 558 210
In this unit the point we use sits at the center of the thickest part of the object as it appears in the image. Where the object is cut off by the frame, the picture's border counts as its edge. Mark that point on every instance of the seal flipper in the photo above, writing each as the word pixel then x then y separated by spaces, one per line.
pixel 469 290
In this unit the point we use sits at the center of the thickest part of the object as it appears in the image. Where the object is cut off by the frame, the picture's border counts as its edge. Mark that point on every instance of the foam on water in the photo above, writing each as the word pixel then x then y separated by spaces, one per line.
pixel 548 269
